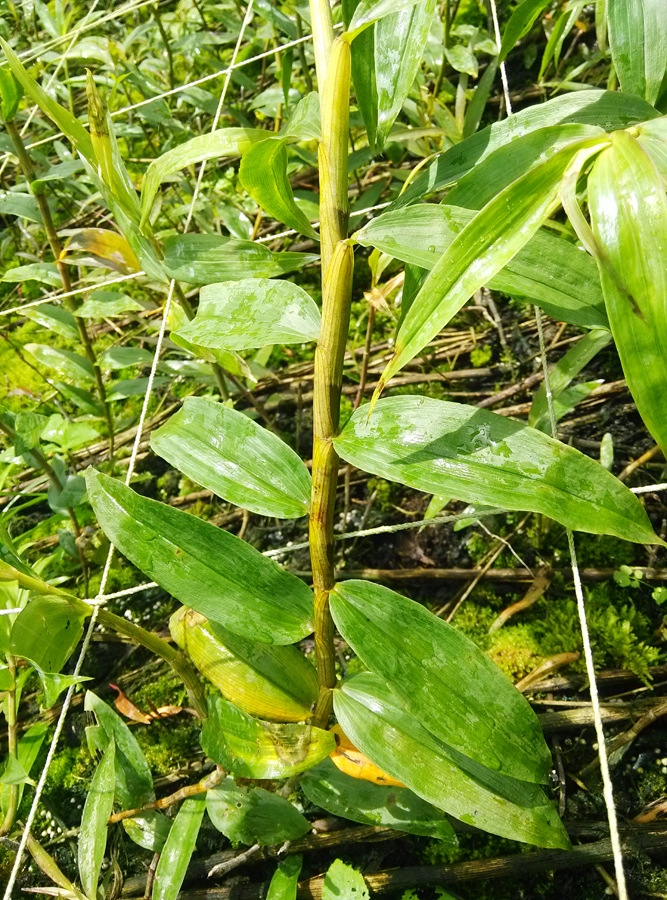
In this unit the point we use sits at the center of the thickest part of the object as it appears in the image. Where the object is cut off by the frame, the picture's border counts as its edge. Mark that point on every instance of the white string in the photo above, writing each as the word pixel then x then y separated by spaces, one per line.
pixel 93 618
pixel 54 298
pixel 607 787
pixel 503 70
pixel 649 488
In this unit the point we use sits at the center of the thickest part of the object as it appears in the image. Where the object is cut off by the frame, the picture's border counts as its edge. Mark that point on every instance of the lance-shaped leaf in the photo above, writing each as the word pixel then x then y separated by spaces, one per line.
pixel 423 659
pixel 178 849
pixel 305 122
pixel 263 173
pixel 134 782
pixel 149 829
pixel 252 748
pixel 254 816
pixel 485 458
pixel 638 40
pixel 236 458
pixel 254 312
pixel 221 142
pixel 209 258
pixel 96 812
pixel 507 163
pixel 628 210
pixel 10 95
pixel 105 247
pixel 374 804
pixel 605 109
pixel 55 318
pixel 222 577
pixel 548 270
pixel 285 879
pixel 372 716
pixel 68 365
pixel 520 23
pixel 26 755
pixel 369 11
pixel 479 252
pixel 562 374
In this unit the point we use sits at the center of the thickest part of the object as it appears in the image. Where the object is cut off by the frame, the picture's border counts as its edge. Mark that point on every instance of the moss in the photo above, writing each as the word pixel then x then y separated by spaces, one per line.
pixel 515 650
pixel 480 356
pixel 384 492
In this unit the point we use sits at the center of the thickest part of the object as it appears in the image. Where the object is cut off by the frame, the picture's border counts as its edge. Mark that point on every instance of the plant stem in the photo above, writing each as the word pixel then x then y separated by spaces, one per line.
pixel 337 263
pixel 12 746
pixel 323 36
pixel 56 248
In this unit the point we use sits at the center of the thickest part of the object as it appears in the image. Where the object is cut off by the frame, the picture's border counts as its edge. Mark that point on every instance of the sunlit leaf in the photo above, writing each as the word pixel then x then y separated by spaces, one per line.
pixel 178 849
pixel 482 457
pixel 628 209
pixel 284 882
pixel 377 722
pixel 149 829
pixel 55 318
pixel 421 657
pixel 342 880
pixel 216 573
pixel 263 173
pixel 253 748
pixel 236 458
pixel 96 811
pixel 254 312
pixel 638 40
pixel 68 365
pixel 369 11
pixel 105 247
pixel 46 631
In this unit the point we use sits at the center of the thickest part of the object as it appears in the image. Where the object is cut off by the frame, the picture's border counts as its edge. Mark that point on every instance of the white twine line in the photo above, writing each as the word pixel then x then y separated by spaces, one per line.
pixel 649 487
pixel 93 618
pixel 503 70
pixel 607 786
pixel 54 298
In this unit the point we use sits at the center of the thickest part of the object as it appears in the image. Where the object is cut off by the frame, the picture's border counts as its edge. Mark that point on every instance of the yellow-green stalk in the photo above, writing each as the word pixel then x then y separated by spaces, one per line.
pixel 337 264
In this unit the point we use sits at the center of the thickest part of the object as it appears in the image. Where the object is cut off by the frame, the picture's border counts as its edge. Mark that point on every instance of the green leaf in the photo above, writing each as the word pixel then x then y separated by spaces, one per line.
pixel 374 804
pixel 604 109
pixel 369 11
pixel 222 577
pixel 56 319
pixel 26 754
pixel 561 375
pixel 498 170
pixel 46 273
pixel 66 434
pixel 148 830
pixel 236 458
pixel 342 880
pixel 305 122
pixel 263 174
pixel 178 849
pixel 14 773
pixel 46 631
pixel 482 457
pixel 254 816
pixel 479 252
pixel 423 659
pixel 520 23
pixel 122 357
pixel 254 312
pixel 13 203
pixel 628 210
pixel 96 812
pixel 462 59
pixel 54 683
pixel 548 270
pixel 66 122
pixel 252 748
pixel 10 94
pixel 134 782
pixel 134 387
pixel 638 40
pixel 377 723
pixel 107 305
pixel 209 258
pixel 285 879
pixel 67 365
pixel 213 145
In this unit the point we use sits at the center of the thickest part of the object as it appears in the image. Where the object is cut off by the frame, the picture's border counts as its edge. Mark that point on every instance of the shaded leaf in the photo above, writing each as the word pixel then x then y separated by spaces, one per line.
pixel 374 804
pixel 254 312
pixel 13 203
pixel 55 318
pixel 68 365
pixel 46 273
pixel 222 577
pixel 107 304
pixel 105 247
pixel 253 748
pixel 284 882
pixel 254 816
pixel 482 457
pixel 149 830
pixel 46 631
pixel 520 23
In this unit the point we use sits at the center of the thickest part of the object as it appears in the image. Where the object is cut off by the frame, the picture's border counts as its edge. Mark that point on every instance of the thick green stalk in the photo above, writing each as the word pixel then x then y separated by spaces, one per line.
pixel 337 263
pixel 56 248
pixel 323 35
